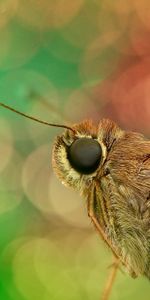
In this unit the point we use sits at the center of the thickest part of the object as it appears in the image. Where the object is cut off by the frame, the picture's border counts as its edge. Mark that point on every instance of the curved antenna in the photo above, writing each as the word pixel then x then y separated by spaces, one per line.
pixel 35 119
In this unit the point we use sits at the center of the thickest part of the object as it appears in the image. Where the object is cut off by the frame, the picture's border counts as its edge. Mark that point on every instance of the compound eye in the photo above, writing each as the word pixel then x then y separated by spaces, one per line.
pixel 84 155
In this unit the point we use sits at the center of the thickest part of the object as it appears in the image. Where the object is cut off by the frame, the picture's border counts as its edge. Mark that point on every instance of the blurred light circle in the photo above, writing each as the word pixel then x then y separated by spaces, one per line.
pixel 45 14
pixel 67 204
pixel 84 28
pixel 69 261
pixel 39 263
pixel 8 9
pixel 103 23
pixel 129 97
pixel 98 62
pixel 57 266
pixel 114 21
pixel 92 260
pixel 81 105
pixel 32 93
pixel 96 249
pixel 140 40
pixel 36 178
pixel 64 11
pixel 6 144
pixel 128 43
pixel 26 87
pixel 24 273
pixel 118 6
pixel 36 14
pixel 18 45
pixel 10 184
pixel 142 10
pixel 111 25
pixel 124 47
pixel 10 250
pixel 59 47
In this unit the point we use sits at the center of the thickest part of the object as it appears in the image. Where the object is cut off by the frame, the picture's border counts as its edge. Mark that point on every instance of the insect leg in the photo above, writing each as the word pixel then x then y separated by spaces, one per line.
pixel 91 214
pixel 112 276
pixel 111 279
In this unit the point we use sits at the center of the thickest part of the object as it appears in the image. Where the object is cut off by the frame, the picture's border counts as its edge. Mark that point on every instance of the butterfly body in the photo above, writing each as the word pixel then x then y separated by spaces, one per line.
pixel 117 191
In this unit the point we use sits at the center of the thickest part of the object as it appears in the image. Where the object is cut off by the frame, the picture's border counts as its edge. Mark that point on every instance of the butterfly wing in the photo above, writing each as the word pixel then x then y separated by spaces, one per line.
pixel 120 205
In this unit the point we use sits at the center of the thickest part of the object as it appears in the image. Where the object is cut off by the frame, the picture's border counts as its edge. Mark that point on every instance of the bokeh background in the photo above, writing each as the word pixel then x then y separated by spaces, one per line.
pixel 63 61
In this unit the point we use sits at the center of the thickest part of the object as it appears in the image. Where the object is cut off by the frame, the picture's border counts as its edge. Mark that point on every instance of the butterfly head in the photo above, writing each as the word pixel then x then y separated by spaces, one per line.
pixel 78 155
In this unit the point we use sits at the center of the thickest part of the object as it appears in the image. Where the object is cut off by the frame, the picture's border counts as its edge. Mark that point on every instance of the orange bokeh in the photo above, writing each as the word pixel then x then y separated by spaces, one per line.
pixel 127 95
pixel 45 14
pixel 8 10
pixel 143 11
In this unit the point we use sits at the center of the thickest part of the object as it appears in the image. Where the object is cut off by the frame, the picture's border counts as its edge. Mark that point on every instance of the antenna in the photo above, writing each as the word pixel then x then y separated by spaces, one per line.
pixel 35 119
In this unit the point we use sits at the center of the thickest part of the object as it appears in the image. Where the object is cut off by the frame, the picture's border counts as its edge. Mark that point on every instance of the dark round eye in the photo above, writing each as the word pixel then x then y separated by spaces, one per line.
pixel 84 155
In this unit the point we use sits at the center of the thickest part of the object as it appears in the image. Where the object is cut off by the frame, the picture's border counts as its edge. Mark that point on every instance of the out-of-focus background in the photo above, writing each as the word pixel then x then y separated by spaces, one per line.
pixel 63 61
